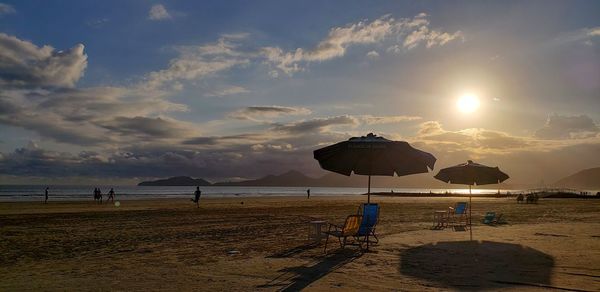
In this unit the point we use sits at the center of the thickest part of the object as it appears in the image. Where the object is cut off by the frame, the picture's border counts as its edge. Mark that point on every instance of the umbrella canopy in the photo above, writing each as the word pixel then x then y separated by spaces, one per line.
pixel 471 173
pixel 372 155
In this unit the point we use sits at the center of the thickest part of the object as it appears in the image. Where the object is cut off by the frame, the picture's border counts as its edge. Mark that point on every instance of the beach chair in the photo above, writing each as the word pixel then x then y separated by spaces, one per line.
pixel 458 214
pixel 349 229
pixel 490 218
pixel 370 217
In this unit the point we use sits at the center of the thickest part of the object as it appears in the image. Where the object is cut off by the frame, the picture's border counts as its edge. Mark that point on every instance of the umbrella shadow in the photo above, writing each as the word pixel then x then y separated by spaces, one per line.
pixel 472 265
pixel 299 277
pixel 294 251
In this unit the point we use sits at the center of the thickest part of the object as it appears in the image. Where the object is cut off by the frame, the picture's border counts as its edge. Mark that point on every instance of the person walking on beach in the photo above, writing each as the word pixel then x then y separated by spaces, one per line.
pixel 99 196
pixel 46 195
pixel 308 193
pixel 197 195
pixel 111 195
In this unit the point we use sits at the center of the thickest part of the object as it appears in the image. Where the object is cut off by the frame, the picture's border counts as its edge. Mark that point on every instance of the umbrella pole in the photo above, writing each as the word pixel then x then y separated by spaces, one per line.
pixel 368 202
pixel 470 208
pixel 369 191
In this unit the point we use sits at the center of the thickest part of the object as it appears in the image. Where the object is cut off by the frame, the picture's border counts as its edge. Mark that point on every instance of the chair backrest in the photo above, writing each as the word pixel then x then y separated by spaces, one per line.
pixel 370 212
pixel 351 225
pixel 460 208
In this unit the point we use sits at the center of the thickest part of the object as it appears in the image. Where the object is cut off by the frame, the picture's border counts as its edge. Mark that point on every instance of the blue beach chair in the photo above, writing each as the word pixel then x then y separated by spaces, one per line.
pixel 370 217
pixel 458 214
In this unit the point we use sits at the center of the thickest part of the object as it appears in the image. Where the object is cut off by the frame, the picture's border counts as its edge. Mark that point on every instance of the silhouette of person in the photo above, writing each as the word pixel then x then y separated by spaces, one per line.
pixel 46 194
pixel 95 194
pixel 111 195
pixel 99 196
pixel 197 195
pixel 308 193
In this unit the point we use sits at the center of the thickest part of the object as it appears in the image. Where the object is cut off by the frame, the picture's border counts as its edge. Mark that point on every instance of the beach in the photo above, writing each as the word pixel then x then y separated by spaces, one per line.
pixel 243 244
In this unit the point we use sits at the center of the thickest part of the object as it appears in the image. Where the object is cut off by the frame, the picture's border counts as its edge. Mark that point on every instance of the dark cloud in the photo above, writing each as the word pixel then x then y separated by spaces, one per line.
pixel 266 112
pixel 561 127
pixel 25 65
pixel 142 126
pixel 315 125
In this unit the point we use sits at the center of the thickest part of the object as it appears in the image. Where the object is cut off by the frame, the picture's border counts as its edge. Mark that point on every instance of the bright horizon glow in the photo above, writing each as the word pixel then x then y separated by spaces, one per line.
pixel 468 103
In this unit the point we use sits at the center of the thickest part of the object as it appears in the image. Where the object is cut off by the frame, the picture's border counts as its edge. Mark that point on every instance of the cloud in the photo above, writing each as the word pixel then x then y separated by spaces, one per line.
pixel 409 32
pixel 97 23
pixel 6 9
pixel 372 55
pixel 565 127
pixel 23 64
pixel 480 141
pixel 196 62
pixel 375 120
pixel 584 35
pixel 229 90
pixel 264 113
pixel 146 127
pixel 158 12
pixel 316 125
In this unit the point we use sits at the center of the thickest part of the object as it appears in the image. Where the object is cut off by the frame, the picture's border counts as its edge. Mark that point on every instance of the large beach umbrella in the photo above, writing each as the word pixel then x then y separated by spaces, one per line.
pixel 372 155
pixel 471 173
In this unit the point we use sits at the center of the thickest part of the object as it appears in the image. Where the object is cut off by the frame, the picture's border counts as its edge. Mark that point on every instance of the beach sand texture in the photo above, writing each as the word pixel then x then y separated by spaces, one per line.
pixel 262 245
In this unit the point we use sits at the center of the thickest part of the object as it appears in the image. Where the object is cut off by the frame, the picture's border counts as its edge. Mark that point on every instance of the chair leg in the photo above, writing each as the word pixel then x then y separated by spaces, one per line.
pixel 326 240
pixel 376 239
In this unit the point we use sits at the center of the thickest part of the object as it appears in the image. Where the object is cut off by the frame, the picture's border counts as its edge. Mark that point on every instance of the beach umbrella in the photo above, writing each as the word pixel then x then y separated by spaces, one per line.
pixel 373 155
pixel 471 173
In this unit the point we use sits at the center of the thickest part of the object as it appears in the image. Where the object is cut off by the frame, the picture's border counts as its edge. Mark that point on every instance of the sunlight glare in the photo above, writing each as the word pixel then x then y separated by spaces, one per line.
pixel 468 103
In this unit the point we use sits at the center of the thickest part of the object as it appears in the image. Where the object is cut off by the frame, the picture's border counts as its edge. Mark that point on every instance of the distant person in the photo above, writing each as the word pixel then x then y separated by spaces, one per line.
pixel 99 196
pixel 46 195
pixel 197 195
pixel 308 193
pixel 111 195
pixel 96 195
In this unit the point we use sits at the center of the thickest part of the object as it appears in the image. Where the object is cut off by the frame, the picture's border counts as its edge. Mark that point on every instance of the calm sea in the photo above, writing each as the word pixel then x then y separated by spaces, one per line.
pixel 65 192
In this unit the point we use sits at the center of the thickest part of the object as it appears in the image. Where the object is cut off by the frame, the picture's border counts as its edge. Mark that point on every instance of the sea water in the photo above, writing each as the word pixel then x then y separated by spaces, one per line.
pixel 79 192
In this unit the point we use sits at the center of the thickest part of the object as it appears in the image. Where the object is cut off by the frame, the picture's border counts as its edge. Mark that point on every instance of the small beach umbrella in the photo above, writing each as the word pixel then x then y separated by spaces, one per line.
pixel 372 155
pixel 471 173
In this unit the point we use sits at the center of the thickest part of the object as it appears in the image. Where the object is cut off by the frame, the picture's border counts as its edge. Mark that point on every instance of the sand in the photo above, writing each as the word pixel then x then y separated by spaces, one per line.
pixel 262 245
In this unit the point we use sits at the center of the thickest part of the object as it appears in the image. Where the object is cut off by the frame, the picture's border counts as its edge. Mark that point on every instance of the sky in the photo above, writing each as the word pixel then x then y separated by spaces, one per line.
pixel 122 91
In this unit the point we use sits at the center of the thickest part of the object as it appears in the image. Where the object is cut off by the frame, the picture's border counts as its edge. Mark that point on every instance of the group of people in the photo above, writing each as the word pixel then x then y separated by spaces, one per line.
pixel 529 198
pixel 98 195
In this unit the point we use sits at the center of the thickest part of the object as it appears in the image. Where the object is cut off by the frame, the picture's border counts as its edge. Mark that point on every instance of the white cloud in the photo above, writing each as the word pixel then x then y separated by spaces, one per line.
pixel 196 62
pixel 229 90
pixel 372 55
pixel 158 12
pixel 23 64
pixel 6 9
pixel 410 32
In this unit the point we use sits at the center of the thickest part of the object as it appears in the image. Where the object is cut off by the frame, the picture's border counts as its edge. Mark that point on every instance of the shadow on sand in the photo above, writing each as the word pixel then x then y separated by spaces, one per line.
pixel 472 265
pixel 299 277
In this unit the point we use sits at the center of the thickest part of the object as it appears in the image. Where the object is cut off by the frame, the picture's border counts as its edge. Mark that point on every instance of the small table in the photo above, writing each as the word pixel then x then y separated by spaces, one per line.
pixel 315 233
pixel 440 219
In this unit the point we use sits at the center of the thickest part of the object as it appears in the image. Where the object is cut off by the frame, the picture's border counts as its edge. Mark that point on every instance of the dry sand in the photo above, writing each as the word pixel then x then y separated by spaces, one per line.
pixel 171 245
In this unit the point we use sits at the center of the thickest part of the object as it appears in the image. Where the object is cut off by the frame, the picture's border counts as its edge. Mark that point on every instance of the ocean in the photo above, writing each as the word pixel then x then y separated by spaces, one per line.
pixel 10 193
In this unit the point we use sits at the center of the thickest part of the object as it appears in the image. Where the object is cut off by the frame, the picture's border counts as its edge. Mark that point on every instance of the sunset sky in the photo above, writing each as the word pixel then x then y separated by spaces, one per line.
pixel 122 91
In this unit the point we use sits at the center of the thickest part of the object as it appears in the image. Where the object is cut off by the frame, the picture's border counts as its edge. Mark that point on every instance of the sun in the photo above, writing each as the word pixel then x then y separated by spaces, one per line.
pixel 468 103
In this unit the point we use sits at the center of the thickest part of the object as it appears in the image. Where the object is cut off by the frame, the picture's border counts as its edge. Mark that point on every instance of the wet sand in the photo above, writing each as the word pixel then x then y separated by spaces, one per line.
pixel 171 245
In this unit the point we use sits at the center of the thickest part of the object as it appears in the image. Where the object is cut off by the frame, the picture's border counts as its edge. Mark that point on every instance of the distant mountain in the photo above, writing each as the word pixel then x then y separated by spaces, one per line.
pixel 295 178
pixel 176 181
pixel 289 179
pixel 585 179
